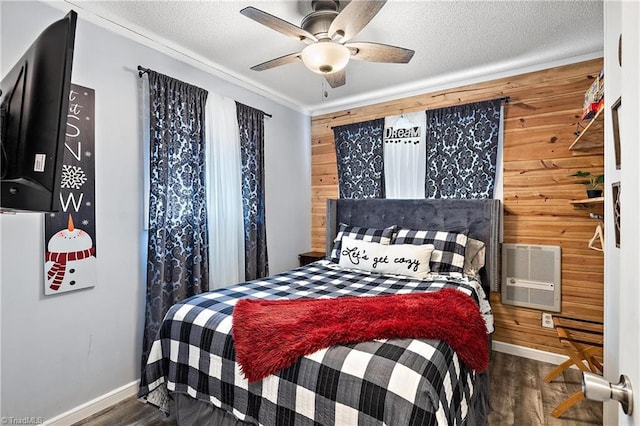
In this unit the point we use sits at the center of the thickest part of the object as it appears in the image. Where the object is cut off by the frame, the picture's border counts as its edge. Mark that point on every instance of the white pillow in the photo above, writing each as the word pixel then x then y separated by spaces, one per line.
pixel 403 259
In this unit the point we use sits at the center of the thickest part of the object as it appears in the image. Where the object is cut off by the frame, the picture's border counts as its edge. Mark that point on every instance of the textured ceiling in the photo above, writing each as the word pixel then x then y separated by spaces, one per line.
pixel 453 40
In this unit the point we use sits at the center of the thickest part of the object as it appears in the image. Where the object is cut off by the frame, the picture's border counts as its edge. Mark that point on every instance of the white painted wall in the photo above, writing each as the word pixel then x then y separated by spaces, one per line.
pixel 59 352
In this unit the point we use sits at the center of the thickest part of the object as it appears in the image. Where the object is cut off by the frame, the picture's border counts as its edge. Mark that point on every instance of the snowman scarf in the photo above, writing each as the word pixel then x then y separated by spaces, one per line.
pixel 59 267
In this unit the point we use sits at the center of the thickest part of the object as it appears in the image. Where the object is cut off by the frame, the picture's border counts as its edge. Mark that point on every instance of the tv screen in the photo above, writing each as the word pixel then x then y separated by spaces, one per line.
pixel 34 102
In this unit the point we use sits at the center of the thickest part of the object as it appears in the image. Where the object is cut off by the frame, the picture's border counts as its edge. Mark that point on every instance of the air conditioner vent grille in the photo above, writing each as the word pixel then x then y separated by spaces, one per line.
pixel 531 276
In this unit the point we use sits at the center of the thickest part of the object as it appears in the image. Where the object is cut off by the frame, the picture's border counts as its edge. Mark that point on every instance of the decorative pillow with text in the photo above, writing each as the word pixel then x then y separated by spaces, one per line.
pixel 408 260
pixel 382 236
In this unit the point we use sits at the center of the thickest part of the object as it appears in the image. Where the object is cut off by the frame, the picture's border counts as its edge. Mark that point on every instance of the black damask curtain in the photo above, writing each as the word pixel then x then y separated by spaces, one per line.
pixel 462 147
pixel 178 260
pixel 251 125
pixel 359 152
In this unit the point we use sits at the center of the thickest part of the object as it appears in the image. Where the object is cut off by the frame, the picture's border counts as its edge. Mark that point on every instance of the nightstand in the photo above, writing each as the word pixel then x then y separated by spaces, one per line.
pixel 310 256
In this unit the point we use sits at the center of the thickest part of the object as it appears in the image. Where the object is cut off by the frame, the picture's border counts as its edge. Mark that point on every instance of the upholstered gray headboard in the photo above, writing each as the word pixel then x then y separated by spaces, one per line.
pixel 480 217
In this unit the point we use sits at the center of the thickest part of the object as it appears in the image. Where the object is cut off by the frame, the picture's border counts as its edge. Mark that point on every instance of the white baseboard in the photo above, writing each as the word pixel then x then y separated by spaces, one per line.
pixel 94 406
pixel 530 353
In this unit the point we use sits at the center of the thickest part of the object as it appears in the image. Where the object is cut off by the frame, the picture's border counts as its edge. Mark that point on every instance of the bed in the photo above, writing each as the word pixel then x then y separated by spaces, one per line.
pixel 194 370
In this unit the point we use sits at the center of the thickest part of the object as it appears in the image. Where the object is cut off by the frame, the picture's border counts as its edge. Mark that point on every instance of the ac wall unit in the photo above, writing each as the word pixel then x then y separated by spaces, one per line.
pixel 531 276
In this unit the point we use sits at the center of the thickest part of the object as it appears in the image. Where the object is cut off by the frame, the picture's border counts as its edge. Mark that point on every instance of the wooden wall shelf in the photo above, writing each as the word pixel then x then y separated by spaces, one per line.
pixel 588 202
pixel 595 206
pixel 591 136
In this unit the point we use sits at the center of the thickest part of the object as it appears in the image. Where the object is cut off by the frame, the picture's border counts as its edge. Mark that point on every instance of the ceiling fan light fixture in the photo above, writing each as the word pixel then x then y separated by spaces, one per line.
pixel 325 57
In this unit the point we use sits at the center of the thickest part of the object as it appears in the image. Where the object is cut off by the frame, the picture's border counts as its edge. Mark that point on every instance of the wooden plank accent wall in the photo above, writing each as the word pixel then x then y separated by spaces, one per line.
pixel 540 118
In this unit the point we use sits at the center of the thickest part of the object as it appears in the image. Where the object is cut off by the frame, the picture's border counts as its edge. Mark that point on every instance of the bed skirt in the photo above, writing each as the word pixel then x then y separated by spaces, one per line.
pixel 189 411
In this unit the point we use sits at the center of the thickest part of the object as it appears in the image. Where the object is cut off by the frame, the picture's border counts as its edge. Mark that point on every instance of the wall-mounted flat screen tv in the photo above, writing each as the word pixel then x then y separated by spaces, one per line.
pixel 34 103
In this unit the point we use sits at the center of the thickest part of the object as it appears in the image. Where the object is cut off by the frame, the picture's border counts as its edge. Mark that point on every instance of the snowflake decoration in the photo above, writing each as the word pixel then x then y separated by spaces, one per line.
pixel 85 222
pixel 72 177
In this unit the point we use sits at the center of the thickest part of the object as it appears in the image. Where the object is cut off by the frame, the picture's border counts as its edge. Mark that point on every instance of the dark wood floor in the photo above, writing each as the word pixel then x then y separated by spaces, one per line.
pixel 519 396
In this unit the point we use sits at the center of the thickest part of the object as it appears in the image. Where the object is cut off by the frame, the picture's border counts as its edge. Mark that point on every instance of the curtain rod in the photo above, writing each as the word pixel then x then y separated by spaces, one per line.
pixel 504 99
pixel 266 114
pixel 142 71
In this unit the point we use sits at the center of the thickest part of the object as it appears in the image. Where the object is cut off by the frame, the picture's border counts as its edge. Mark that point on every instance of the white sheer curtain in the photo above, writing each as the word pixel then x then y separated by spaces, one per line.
pixel 405 155
pixel 497 189
pixel 146 141
pixel 224 191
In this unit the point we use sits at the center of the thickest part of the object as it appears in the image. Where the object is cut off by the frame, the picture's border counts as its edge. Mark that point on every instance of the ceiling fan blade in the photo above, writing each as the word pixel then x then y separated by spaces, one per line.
pixel 353 18
pixel 278 24
pixel 282 60
pixel 336 79
pixel 378 52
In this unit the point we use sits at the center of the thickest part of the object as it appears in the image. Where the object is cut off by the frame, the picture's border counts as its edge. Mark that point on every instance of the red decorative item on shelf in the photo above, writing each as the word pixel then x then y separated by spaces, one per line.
pixel 594 98
pixel 592 109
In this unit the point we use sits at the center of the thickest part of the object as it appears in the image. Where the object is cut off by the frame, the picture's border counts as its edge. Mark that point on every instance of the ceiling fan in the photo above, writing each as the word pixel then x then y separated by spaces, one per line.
pixel 327 33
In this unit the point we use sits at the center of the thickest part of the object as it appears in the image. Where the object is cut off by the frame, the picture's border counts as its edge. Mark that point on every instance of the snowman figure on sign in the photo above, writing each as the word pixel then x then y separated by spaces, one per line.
pixel 70 260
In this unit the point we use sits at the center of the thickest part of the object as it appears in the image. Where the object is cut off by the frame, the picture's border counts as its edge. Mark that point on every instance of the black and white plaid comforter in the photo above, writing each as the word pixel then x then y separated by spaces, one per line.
pixel 381 382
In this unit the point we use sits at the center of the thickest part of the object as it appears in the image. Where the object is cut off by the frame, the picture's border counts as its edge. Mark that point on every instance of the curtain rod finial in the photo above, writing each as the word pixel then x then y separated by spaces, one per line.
pixel 142 70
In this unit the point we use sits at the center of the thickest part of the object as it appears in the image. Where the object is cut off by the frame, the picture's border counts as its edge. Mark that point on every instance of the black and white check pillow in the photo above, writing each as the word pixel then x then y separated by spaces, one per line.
pixel 448 255
pixel 382 236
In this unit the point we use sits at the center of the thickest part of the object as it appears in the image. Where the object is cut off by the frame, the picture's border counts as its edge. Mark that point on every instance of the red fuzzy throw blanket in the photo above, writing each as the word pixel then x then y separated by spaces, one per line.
pixel 271 335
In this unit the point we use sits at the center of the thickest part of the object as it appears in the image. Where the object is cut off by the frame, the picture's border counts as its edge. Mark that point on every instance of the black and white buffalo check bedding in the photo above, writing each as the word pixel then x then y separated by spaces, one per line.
pixel 380 382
